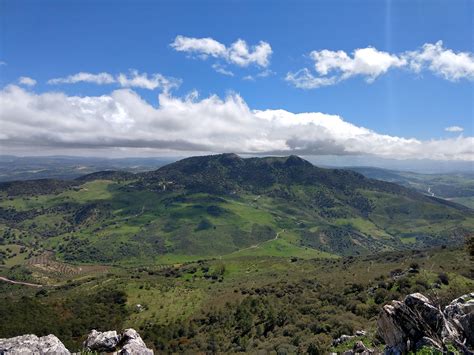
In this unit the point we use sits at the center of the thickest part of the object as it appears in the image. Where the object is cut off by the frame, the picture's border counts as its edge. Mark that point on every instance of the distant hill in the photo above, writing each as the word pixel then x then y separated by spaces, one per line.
pixel 218 205
pixel 457 187
pixel 14 168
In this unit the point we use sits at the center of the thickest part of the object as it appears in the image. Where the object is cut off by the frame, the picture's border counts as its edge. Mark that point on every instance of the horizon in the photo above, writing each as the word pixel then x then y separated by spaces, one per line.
pixel 418 166
pixel 362 80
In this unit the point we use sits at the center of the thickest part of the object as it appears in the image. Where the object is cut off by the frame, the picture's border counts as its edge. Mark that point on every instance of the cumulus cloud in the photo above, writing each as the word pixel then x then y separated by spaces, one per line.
pixel 454 129
pixel 443 62
pixel 238 53
pixel 133 80
pixel 201 46
pixel 27 81
pixel 332 67
pixel 124 120
pixel 367 62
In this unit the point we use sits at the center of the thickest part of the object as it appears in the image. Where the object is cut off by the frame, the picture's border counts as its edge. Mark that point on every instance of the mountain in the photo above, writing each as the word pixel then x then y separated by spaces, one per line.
pixel 222 205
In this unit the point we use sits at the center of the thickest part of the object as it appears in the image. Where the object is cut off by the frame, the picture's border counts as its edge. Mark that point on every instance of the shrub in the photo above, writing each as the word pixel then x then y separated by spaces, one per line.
pixel 443 278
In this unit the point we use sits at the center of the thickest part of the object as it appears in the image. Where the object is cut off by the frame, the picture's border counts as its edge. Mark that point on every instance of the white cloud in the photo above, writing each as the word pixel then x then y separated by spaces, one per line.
pixel 444 62
pixel 202 46
pixel 332 67
pixel 123 120
pixel 2 63
pixel 221 69
pixel 237 53
pixel 240 54
pixel 263 74
pixel 367 62
pixel 304 79
pixel 266 73
pixel 100 79
pixel 133 79
pixel 143 81
pixel 454 129
pixel 27 81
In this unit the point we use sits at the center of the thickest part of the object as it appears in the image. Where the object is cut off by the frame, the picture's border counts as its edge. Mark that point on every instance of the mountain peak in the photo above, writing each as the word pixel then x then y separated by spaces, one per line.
pixel 296 160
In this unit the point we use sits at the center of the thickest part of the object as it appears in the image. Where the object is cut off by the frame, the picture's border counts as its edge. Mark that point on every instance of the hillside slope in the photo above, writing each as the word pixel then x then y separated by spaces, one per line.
pixel 457 187
pixel 214 206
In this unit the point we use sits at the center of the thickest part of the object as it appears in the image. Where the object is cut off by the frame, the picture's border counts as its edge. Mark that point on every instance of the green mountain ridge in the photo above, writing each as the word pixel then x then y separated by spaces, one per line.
pixel 219 205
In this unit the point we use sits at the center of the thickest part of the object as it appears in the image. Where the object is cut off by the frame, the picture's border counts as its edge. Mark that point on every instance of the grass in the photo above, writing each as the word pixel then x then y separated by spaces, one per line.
pixel 408 240
pixel 281 248
pixel 364 226
pixel 159 304
pixel 19 259
pixel 466 201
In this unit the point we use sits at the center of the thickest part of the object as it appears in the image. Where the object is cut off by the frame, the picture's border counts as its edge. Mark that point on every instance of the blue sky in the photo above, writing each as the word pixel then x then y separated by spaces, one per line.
pixel 56 39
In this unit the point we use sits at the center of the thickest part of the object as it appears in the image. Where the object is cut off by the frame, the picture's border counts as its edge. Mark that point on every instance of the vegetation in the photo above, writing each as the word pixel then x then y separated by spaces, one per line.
pixel 222 205
pixel 456 187
pixel 239 304
pixel 223 254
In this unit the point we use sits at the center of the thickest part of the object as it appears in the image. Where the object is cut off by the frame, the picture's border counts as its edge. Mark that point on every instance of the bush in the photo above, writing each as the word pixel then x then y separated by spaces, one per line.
pixel 443 278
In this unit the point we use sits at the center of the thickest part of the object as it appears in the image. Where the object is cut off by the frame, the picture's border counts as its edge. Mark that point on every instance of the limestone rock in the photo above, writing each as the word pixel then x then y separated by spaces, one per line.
pixel 128 342
pixel 31 344
pixel 360 349
pixel 342 339
pixel 133 344
pixel 460 313
pixel 102 341
pixel 416 322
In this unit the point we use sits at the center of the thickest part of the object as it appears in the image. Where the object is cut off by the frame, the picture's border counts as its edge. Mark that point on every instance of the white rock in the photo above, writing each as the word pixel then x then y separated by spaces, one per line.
pixel 31 344
pixel 102 341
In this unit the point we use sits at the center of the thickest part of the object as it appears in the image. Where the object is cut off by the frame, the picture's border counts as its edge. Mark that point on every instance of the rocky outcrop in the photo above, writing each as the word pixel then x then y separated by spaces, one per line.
pixel 416 322
pixel 31 344
pixel 127 343
pixel 461 314
pixel 102 341
pixel 133 344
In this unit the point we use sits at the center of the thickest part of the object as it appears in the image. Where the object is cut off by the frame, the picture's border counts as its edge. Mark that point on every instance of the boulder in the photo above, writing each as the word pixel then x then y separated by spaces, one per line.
pixel 102 341
pixel 416 322
pixel 31 344
pixel 359 348
pixel 128 342
pixel 133 344
pixel 342 339
pixel 460 313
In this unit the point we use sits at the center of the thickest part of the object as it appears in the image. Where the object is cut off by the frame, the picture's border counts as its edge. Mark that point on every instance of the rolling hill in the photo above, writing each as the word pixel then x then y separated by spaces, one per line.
pixel 457 187
pixel 220 206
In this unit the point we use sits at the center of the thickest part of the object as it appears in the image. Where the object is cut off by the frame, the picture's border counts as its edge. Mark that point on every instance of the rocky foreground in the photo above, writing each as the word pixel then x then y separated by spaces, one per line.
pixel 415 323
pixel 126 343
pixel 409 325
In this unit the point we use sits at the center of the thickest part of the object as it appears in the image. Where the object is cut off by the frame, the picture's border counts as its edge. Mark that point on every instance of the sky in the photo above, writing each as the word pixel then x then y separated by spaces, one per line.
pixel 340 79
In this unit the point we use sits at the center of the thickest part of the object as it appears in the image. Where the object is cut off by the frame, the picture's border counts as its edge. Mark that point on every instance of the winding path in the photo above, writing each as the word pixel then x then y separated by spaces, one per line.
pixel 19 282
pixel 259 244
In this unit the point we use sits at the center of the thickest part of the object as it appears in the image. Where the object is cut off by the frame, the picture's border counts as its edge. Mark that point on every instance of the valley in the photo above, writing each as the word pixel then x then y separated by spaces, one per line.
pixel 224 254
